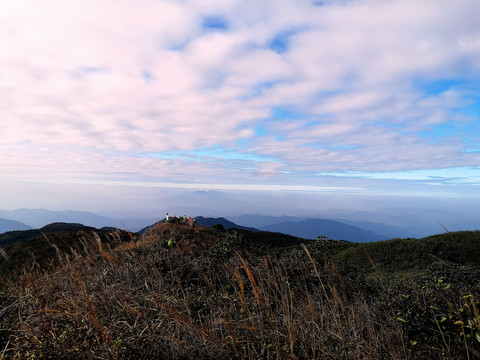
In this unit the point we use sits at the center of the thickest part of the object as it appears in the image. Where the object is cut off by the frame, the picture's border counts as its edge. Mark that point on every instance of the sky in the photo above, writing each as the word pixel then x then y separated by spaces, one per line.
pixel 132 99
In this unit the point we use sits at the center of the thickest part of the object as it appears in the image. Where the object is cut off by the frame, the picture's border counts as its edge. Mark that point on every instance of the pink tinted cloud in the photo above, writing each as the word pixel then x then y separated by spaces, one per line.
pixel 101 82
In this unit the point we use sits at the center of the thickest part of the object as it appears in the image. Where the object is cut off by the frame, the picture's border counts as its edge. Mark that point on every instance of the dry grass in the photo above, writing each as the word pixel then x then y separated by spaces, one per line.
pixel 142 300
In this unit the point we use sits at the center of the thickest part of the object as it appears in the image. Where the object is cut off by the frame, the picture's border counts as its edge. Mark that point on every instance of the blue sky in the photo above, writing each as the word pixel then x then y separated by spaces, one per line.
pixel 372 97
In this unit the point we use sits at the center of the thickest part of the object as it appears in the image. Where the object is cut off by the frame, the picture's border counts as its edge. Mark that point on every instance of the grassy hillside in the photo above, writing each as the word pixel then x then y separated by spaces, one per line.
pixel 235 294
pixel 41 248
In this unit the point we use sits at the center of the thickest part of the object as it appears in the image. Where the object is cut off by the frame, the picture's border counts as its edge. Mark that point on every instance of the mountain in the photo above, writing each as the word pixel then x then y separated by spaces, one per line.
pixel 258 221
pixel 404 222
pixel 60 231
pixel 36 218
pixel 13 237
pixel 332 229
pixel 262 221
pixel 12 225
pixel 390 230
pixel 40 247
pixel 209 222
pixel 302 228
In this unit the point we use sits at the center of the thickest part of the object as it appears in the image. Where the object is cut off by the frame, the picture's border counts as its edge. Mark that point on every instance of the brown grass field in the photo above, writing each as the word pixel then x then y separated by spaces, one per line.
pixel 218 294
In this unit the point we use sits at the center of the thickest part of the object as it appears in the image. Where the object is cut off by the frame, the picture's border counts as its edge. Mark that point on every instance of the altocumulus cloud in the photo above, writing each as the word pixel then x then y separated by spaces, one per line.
pixel 274 92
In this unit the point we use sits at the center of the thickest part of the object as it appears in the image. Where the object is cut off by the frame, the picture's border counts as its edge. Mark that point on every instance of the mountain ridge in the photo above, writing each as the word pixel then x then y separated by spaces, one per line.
pixel 332 229
pixel 12 225
pixel 227 224
pixel 37 218
pixel 391 227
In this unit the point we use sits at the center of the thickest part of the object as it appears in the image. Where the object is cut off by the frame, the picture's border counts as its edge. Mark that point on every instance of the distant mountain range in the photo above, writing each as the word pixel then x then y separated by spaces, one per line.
pixel 309 228
pixel 222 221
pixel 331 229
pixel 12 225
pixel 306 229
pixel 37 218
pixel 259 221
pixel 387 230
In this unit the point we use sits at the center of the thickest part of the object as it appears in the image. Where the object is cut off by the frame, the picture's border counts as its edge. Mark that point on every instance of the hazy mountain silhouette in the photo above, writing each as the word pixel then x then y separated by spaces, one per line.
pixel 385 229
pixel 262 221
pixel 227 224
pixel 332 229
pixel 12 225
pixel 258 221
pixel 407 221
pixel 301 227
pixel 37 218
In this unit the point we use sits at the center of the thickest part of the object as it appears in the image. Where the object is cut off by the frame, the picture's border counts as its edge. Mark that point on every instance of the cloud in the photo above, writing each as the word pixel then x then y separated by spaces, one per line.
pixel 90 88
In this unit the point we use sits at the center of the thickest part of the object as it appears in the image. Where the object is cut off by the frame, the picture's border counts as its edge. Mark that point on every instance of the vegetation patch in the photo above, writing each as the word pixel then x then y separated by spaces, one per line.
pixel 234 294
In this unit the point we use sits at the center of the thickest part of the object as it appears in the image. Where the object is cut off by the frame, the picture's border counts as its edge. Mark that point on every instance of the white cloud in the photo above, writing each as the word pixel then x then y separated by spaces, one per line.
pixel 87 86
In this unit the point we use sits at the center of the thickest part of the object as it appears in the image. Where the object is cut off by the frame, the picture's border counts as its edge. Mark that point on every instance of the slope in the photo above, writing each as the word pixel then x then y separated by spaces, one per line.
pixel 223 294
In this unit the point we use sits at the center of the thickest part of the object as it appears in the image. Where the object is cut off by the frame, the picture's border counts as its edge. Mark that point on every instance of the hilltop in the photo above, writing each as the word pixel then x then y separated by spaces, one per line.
pixel 39 248
pixel 227 293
